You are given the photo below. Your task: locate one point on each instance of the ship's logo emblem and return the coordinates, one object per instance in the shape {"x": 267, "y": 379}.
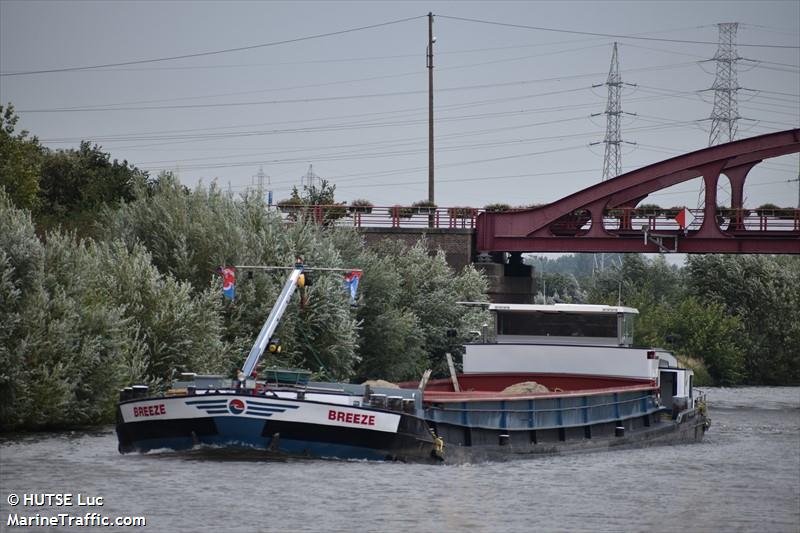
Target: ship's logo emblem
{"x": 236, "y": 406}
{"x": 215, "y": 405}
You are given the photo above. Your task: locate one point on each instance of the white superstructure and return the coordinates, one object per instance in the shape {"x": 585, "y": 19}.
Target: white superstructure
{"x": 576, "y": 340}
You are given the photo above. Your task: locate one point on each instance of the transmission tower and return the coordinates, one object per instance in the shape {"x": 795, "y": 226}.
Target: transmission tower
{"x": 612, "y": 162}
{"x": 263, "y": 188}
{"x": 309, "y": 179}
{"x": 725, "y": 115}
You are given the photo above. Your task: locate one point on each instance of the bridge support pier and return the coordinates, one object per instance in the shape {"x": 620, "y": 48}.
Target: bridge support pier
{"x": 509, "y": 282}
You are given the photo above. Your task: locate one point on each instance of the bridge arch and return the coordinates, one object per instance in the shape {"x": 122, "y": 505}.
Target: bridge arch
{"x": 578, "y": 222}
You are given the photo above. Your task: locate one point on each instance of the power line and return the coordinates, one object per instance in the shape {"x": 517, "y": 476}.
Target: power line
{"x": 334, "y": 98}
{"x": 214, "y": 52}
{"x": 609, "y": 35}
{"x": 347, "y": 155}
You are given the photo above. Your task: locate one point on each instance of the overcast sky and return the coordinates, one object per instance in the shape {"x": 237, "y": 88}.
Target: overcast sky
{"x": 513, "y": 105}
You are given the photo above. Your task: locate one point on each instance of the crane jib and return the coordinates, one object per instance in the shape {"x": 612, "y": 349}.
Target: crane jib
{"x": 272, "y": 321}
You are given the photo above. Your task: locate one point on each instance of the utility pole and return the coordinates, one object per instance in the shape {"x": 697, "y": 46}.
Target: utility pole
{"x": 725, "y": 114}
{"x": 431, "y": 40}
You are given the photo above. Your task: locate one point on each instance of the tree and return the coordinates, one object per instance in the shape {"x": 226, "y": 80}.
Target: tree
{"x": 191, "y": 233}
{"x": 322, "y": 197}
{"x": 762, "y": 291}
{"x": 694, "y": 329}
{"x": 75, "y": 184}
{"x": 410, "y": 303}
{"x": 20, "y": 162}
{"x": 98, "y": 317}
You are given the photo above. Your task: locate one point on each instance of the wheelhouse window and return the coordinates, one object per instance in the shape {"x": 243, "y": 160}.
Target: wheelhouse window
{"x": 543, "y": 324}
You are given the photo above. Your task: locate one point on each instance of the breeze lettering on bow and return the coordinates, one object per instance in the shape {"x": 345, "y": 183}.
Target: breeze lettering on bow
{"x": 150, "y": 410}
{"x": 351, "y": 418}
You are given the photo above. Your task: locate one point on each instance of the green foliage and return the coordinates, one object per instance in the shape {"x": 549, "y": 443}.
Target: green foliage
{"x": 409, "y": 304}
{"x": 657, "y": 279}
{"x": 20, "y": 162}
{"x": 563, "y": 287}
{"x": 402, "y": 212}
{"x": 497, "y": 208}
{"x": 360, "y": 206}
{"x": 696, "y": 330}
{"x": 699, "y": 327}
{"x": 764, "y": 293}
{"x": 322, "y": 196}
{"x": 460, "y": 212}
{"x": 424, "y": 206}
{"x": 644, "y": 209}
{"x": 190, "y": 234}
{"x": 96, "y": 318}
{"x": 75, "y": 184}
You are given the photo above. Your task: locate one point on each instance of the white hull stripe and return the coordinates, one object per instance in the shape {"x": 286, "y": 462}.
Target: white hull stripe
{"x": 235, "y": 406}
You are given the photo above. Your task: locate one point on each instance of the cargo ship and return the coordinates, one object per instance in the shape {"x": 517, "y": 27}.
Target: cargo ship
{"x": 541, "y": 379}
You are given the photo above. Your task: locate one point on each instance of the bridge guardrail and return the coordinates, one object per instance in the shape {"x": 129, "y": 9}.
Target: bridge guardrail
{"x": 618, "y": 220}
{"x": 395, "y": 216}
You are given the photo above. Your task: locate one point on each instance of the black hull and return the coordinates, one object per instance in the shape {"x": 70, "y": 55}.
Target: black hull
{"x": 412, "y": 442}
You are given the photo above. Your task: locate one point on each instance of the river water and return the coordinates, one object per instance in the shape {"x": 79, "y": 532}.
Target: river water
{"x": 745, "y": 476}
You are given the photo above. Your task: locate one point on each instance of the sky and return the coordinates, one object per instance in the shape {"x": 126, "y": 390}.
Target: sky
{"x": 279, "y": 87}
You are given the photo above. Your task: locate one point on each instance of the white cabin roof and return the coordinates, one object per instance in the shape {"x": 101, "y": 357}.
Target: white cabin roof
{"x": 564, "y": 308}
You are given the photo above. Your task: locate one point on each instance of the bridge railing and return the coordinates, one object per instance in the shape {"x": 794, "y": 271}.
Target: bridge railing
{"x": 733, "y": 220}
{"x": 395, "y": 216}
{"x": 618, "y": 220}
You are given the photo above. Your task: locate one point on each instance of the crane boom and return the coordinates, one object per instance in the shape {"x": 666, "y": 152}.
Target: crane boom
{"x": 272, "y": 321}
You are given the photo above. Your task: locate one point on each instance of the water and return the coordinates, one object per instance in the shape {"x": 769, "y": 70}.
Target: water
{"x": 745, "y": 476}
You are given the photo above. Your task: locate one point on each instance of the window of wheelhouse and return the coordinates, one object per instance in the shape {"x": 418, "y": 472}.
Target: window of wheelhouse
{"x": 542, "y": 324}
{"x": 625, "y": 327}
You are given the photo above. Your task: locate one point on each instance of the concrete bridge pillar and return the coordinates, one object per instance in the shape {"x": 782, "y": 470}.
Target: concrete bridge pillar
{"x": 510, "y": 281}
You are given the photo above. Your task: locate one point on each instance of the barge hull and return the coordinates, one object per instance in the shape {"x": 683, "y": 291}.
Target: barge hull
{"x": 410, "y": 440}
{"x": 491, "y": 445}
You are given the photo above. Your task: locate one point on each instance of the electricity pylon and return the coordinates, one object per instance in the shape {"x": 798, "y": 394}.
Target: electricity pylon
{"x": 612, "y": 162}
{"x": 725, "y": 114}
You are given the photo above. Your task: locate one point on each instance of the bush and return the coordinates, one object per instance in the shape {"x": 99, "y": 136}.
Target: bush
{"x": 290, "y": 205}
{"x": 424, "y": 207}
{"x": 461, "y": 212}
{"x": 497, "y": 208}
{"x": 767, "y": 210}
{"x": 360, "y": 206}
{"x": 399, "y": 211}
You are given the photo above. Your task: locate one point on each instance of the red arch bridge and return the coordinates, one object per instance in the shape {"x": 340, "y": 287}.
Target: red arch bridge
{"x": 605, "y": 217}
